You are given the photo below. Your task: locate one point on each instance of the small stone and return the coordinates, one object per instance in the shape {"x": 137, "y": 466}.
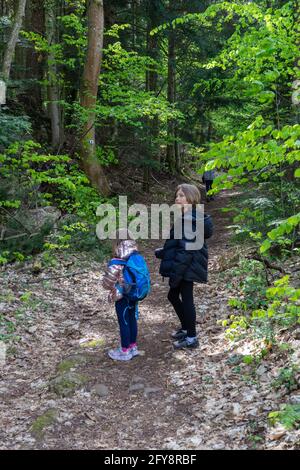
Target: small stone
{"x": 253, "y": 412}
{"x": 236, "y": 409}
{"x": 51, "y": 403}
{"x": 100, "y": 390}
{"x": 71, "y": 363}
{"x": 136, "y": 387}
{"x": 38, "y": 384}
{"x": 66, "y": 384}
{"x": 149, "y": 390}
{"x": 218, "y": 446}
{"x": 277, "y": 433}
{"x": 295, "y": 399}
{"x": 296, "y": 333}
{"x": 136, "y": 378}
{"x": 261, "y": 370}
{"x": 32, "y": 329}
{"x": 42, "y": 422}
{"x": 196, "y": 441}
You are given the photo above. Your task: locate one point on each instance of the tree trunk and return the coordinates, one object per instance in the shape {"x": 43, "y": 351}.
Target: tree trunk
{"x": 176, "y": 150}
{"x": 151, "y": 84}
{"x": 53, "y": 87}
{"x": 11, "y": 45}
{"x": 153, "y": 52}
{"x": 134, "y": 22}
{"x": 34, "y": 66}
{"x": 296, "y": 82}
{"x": 88, "y": 96}
{"x": 171, "y": 159}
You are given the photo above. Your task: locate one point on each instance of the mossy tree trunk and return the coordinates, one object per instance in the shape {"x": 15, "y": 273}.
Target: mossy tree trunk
{"x": 50, "y": 7}
{"x": 88, "y": 96}
{"x": 12, "y": 41}
{"x": 171, "y": 157}
{"x": 153, "y": 19}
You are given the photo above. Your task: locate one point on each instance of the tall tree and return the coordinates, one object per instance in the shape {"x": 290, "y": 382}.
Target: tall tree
{"x": 12, "y": 41}
{"x": 88, "y": 96}
{"x": 171, "y": 162}
{"x": 53, "y": 87}
{"x": 153, "y": 20}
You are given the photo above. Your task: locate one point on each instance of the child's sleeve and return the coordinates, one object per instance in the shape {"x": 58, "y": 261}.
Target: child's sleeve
{"x": 114, "y": 295}
{"x": 112, "y": 276}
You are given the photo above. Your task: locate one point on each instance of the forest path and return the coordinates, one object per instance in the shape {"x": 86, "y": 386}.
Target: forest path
{"x": 59, "y": 391}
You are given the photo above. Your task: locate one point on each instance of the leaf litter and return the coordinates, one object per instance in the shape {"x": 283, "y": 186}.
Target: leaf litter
{"x": 163, "y": 399}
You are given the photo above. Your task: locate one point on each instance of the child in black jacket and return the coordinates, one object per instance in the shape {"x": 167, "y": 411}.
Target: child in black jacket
{"x": 185, "y": 266}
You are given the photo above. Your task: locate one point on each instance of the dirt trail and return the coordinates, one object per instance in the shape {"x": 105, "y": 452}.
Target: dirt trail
{"x": 163, "y": 399}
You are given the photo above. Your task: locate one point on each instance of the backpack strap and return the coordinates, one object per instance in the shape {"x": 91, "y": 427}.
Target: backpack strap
{"x": 118, "y": 261}
{"x": 136, "y": 310}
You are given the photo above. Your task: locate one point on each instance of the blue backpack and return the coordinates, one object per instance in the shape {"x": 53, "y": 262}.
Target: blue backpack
{"x": 136, "y": 276}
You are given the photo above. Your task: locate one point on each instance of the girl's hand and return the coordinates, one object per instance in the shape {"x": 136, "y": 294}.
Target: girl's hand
{"x": 159, "y": 253}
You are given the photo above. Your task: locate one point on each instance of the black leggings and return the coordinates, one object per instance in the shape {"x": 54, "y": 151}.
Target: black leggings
{"x": 184, "y": 307}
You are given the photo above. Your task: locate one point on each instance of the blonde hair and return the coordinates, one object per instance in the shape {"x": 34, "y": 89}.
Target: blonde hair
{"x": 191, "y": 193}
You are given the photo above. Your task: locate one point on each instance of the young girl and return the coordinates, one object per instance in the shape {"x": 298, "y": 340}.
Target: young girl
{"x": 126, "y": 309}
{"x": 184, "y": 267}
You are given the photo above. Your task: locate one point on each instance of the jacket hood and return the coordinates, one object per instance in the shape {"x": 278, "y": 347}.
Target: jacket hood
{"x": 194, "y": 218}
{"x": 125, "y": 248}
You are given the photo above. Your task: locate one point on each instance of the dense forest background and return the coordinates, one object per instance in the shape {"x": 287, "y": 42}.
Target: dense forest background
{"x": 104, "y": 98}
{"x": 92, "y": 92}
{"x": 160, "y": 86}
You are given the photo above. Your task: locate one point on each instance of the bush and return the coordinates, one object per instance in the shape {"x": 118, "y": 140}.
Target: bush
{"x": 288, "y": 416}
{"x": 12, "y": 128}
{"x": 257, "y": 216}
{"x": 281, "y": 309}
{"x": 30, "y": 180}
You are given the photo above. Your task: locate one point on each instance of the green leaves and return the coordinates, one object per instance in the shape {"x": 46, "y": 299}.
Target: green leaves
{"x": 266, "y": 96}
{"x": 288, "y": 416}
{"x": 265, "y": 246}
{"x": 122, "y": 91}
{"x": 259, "y": 147}
{"x": 259, "y": 57}
{"x": 24, "y": 163}
{"x": 13, "y": 128}
{"x": 285, "y": 227}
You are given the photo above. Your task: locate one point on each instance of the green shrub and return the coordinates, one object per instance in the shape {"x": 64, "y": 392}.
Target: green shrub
{"x": 250, "y": 280}
{"x": 279, "y": 307}
{"x": 287, "y": 377}
{"x": 31, "y": 179}
{"x": 288, "y": 416}
{"x": 13, "y": 128}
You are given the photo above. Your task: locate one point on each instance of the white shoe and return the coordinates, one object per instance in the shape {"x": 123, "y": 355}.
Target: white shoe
{"x": 134, "y": 351}
{"x": 119, "y": 355}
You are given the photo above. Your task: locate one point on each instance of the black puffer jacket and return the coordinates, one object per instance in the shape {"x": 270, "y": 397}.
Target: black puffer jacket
{"x": 178, "y": 263}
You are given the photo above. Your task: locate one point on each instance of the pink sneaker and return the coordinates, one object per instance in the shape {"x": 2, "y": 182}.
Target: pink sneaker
{"x": 119, "y": 355}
